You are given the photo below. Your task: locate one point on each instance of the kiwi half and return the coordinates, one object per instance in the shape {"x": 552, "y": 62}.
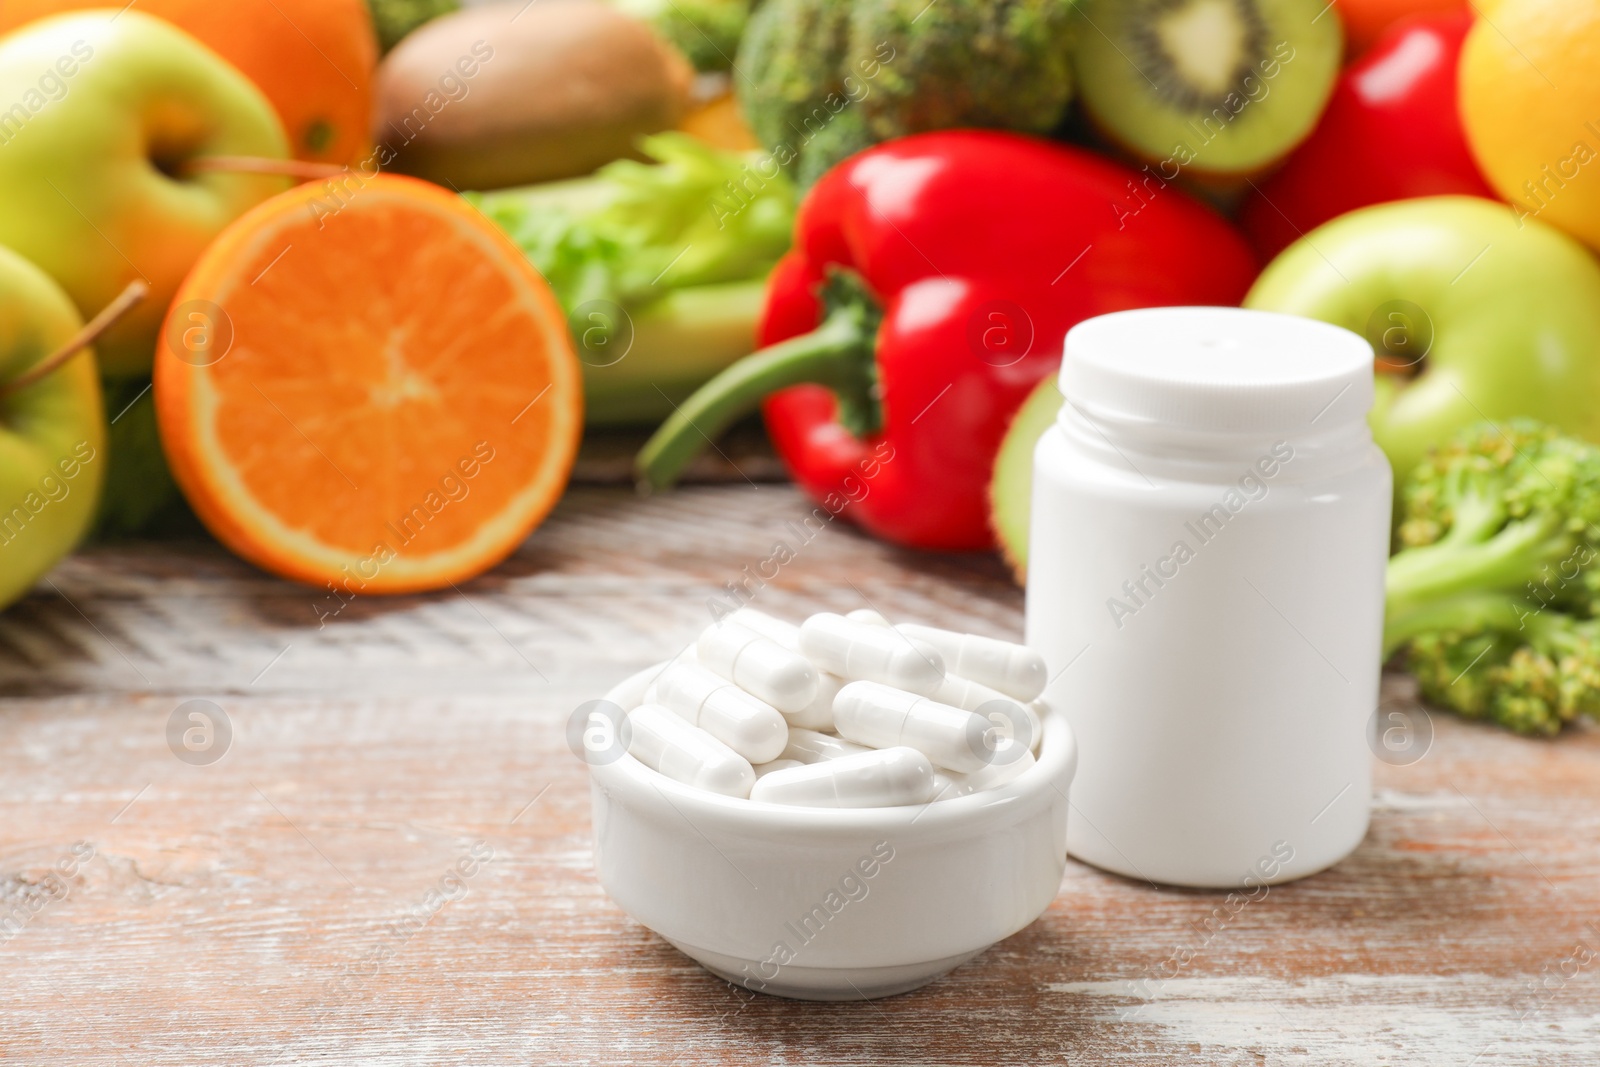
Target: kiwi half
{"x": 1011, "y": 488}
{"x": 1208, "y": 86}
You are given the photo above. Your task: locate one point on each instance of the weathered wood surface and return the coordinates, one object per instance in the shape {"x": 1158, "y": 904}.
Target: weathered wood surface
{"x": 275, "y": 907}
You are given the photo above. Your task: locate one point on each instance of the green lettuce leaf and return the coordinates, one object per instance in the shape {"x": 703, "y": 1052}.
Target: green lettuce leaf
{"x": 635, "y": 232}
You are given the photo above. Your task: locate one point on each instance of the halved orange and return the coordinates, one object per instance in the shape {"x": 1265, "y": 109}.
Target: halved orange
{"x": 365, "y": 383}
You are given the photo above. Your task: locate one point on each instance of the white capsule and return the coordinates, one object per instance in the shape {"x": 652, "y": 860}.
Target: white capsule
{"x": 776, "y": 765}
{"x": 1009, "y": 761}
{"x": 880, "y": 716}
{"x": 1015, "y": 718}
{"x": 664, "y": 742}
{"x": 963, "y": 693}
{"x": 758, "y": 665}
{"x": 818, "y": 715}
{"x": 948, "y": 786}
{"x": 685, "y": 655}
{"x": 750, "y": 726}
{"x": 772, "y": 628}
{"x": 888, "y": 778}
{"x": 860, "y": 651}
{"x": 868, "y": 616}
{"x": 808, "y": 746}
{"x": 1016, "y": 670}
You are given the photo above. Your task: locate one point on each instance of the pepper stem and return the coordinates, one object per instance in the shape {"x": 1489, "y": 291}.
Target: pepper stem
{"x": 841, "y": 353}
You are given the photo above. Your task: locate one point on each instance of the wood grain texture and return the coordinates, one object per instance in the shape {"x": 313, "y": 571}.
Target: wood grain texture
{"x": 289, "y": 903}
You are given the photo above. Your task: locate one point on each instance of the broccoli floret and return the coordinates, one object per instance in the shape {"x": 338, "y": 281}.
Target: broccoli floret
{"x": 1452, "y": 669}
{"x": 842, "y": 138}
{"x": 896, "y": 67}
{"x": 1505, "y": 508}
{"x": 1494, "y": 586}
{"x": 705, "y": 31}
{"x": 1534, "y": 679}
{"x": 393, "y": 19}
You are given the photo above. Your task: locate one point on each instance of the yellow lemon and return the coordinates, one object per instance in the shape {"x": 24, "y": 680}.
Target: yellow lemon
{"x": 1530, "y": 101}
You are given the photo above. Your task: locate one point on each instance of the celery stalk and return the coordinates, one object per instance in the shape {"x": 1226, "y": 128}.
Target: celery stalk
{"x": 680, "y": 342}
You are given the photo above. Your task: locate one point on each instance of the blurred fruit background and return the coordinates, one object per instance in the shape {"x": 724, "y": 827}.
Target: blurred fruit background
{"x": 375, "y": 267}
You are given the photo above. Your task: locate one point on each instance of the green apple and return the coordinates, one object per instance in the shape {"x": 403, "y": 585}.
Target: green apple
{"x": 1473, "y": 316}
{"x": 100, "y": 115}
{"x": 1011, "y": 486}
{"x": 52, "y": 432}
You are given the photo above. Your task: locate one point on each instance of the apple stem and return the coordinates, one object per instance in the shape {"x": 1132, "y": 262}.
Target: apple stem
{"x": 125, "y": 302}
{"x": 290, "y": 168}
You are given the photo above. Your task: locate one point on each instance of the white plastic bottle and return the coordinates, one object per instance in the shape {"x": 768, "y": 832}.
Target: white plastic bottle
{"x": 1206, "y": 560}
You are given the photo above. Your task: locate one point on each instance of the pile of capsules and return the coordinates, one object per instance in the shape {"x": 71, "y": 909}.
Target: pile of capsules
{"x": 843, "y": 711}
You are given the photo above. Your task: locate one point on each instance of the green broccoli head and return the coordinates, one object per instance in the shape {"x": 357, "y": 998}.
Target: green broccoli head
{"x": 1507, "y": 509}
{"x": 788, "y": 72}
{"x": 1570, "y": 649}
{"x": 1447, "y": 669}
{"x": 707, "y": 32}
{"x": 842, "y": 138}
{"x": 1526, "y": 693}
{"x": 887, "y": 68}
{"x": 393, "y": 19}
{"x": 1495, "y": 583}
{"x": 1533, "y": 681}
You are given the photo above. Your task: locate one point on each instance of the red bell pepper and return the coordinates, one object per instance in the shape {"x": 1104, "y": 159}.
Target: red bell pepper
{"x": 1365, "y": 20}
{"x": 945, "y": 269}
{"x": 1391, "y": 131}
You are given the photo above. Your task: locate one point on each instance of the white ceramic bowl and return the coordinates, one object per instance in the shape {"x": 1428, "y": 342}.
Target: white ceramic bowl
{"x": 830, "y": 904}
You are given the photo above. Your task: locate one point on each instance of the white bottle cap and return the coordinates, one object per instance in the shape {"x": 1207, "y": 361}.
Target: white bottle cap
{"x": 1222, "y": 369}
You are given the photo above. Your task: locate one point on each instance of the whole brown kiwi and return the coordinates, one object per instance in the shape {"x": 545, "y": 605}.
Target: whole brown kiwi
{"x": 511, "y": 93}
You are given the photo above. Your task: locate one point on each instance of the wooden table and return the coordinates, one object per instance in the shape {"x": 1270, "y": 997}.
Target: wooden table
{"x": 290, "y": 902}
